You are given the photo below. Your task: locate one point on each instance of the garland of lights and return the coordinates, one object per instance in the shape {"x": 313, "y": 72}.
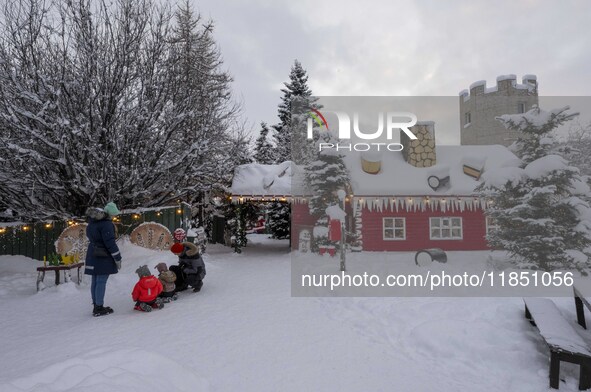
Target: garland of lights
{"x": 415, "y": 203}
{"x": 72, "y": 222}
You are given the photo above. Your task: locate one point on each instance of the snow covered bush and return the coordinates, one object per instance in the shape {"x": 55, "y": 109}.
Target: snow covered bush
{"x": 542, "y": 219}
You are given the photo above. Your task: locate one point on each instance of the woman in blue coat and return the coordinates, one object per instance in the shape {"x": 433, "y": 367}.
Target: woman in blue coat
{"x": 102, "y": 257}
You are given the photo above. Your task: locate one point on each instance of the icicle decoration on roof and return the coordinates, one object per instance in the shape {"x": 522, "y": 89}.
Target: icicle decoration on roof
{"x": 418, "y": 203}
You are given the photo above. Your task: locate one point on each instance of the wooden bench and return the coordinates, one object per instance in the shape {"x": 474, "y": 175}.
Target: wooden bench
{"x": 564, "y": 342}
{"x": 57, "y": 268}
{"x": 581, "y": 299}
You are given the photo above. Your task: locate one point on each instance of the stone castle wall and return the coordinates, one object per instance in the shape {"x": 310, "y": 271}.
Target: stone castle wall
{"x": 484, "y": 104}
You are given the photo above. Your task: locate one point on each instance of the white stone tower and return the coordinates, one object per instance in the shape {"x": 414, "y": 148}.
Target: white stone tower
{"x": 480, "y": 105}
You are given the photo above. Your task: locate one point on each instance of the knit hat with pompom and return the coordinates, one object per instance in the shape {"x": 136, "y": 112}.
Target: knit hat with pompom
{"x": 143, "y": 271}
{"x": 177, "y": 248}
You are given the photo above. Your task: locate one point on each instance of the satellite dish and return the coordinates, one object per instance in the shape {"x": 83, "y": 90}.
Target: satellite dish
{"x": 433, "y": 182}
{"x": 436, "y": 182}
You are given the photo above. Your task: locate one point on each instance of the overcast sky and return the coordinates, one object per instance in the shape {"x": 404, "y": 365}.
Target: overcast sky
{"x": 425, "y": 47}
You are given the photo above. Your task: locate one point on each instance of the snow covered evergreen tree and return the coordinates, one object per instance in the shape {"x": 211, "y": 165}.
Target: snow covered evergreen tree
{"x": 578, "y": 146}
{"x": 239, "y": 216}
{"x": 325, "y": 176}
{"x": 293, "y": 112}
{"x": 263, "y": 148}
{"x": 542, "y": 219}
{"x": 296, "y": 90}
{"x": 279, "y": 220}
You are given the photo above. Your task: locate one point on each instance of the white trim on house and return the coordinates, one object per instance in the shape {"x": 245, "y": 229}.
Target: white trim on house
{"x": 393, "y": 228}
{"x": 450, "y": 227}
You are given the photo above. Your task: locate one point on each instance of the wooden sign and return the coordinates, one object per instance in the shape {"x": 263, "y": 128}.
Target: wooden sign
{"x": 73, "y": 240}
{"x": 151, "y": 235}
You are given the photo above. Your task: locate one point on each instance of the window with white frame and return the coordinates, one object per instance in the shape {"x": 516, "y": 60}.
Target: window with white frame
{"x": 394, "y": 229}
{"x": 467, "y": 118}
{"x": 521, "y": 107}
{"x": 445, "y": 228}
{"x": 491, "y": 225}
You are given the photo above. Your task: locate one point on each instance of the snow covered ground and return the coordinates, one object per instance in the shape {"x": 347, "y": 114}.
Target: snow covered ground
{"x": 244, "y": 332}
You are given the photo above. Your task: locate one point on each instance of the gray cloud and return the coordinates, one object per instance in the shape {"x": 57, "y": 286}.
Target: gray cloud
{"x": 400, "y": 47}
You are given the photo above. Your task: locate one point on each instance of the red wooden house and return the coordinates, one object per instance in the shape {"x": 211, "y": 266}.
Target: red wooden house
{"x": 400, "y": 201}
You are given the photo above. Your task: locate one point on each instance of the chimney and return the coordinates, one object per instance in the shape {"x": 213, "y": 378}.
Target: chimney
{"x": 420, "y": 152}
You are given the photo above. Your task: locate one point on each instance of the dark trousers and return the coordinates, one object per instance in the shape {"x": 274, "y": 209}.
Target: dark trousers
{"x": 183, "y": 280}
{"x": 198, "y": 284}
{"x": 180, "y": 283}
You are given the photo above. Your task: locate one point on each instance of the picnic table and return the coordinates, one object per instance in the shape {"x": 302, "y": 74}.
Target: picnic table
{"x": 67, "y": 268}
{"x": 582, "y": 295}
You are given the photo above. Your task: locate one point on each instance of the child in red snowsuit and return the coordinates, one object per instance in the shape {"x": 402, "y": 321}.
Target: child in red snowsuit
{"x": 146, "y": 291}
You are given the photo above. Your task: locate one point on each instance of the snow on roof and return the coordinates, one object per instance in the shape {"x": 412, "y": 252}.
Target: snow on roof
{"x": 512, "y": 77}
{"x": 255, "y": 179}
{"x": 506, "y": 77}
{"x": 398, "y": 178}
{"x": 478, "y": 83}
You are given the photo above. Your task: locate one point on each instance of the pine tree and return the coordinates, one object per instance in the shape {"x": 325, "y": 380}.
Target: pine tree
{"x": 292, "y": 112}
{"x": 542, "y": 219}
{"x": 578, "y": 145}
{"x": 263, "y": 148}
{"x": 239, "y": 215}
{"x": 325, "y": 177}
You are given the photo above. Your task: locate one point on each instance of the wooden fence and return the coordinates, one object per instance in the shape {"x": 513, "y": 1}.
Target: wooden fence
{"x": 36, "y": 240}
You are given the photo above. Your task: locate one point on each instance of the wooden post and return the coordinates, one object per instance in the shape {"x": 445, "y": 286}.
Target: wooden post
{"x": 580, "y": 312}
{"x": 554, "y": 370}
{"x": 584, "y": 376}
